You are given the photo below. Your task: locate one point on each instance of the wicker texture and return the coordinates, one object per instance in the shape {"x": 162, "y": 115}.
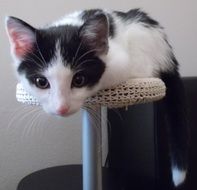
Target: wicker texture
{"x": 24, "y": 97}
{"x": 134, "y": 91}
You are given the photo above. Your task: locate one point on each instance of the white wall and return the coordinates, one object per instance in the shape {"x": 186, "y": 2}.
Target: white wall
{"x": 29, "y": 142}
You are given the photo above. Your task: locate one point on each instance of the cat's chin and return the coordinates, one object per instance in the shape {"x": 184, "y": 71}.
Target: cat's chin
{"x": 67, "y": 114}
{"x": 62, "y": 115}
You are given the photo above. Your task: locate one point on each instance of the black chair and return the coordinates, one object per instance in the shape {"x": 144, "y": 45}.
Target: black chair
{"x": 138, "y": 147}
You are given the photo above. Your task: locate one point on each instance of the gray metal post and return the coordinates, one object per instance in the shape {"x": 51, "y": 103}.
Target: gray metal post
{"x": 92, "y": 155}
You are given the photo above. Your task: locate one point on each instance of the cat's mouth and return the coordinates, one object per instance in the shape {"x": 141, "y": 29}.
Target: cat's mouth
{"x": 61, "y": 112}
{"x": 61, "y": 115}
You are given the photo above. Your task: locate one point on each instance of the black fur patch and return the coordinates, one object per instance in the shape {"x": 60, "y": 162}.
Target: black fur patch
{"x": 138, "y": 15}
{"x": 74, "y": 53}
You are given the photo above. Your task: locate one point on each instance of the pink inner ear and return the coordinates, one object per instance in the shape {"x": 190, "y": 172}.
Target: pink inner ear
{"x": 22, "y": 42}
{"x": 22, "y": 45}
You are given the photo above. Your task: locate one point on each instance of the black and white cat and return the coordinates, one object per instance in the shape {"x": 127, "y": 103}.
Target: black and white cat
{"x": 64, "y": 63}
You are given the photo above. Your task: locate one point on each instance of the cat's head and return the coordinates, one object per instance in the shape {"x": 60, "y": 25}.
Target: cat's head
{"x": 59, "y": 65}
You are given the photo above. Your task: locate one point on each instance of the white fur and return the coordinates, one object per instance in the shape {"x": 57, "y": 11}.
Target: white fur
{"x": 135, "y": 51}
{"x": 70, "y": 19}
{"x": 178, "y": 176}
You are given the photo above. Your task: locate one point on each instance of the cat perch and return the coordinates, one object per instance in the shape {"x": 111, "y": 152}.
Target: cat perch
{"x": 134, "y": 91}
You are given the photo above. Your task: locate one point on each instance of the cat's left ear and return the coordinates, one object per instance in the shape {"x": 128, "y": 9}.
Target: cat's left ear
{"x": 95, "y": 32}
{"x": 21, "y": 36}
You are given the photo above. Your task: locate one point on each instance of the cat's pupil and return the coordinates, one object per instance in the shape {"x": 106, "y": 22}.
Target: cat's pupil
{"x": 42, "y": 82}
{"x": 78, "y": 80}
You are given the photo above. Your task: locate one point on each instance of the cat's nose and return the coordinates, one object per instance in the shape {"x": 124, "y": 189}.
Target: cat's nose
{"x": 62, "y": 110}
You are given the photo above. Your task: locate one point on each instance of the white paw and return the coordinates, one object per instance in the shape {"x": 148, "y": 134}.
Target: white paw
{"x": 178, "y": 176}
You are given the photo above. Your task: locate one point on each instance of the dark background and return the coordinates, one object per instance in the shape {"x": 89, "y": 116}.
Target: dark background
{"x": 138, "y": 145}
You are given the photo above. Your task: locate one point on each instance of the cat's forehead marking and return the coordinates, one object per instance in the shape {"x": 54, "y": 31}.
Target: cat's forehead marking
{"x": 59, "y": 76}
{"x": 57, "y": 69}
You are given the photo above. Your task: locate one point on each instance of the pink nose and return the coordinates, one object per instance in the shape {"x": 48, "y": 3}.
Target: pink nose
{"x": 62, "y": 110}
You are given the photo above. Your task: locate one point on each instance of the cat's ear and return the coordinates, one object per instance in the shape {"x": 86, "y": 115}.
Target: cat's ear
{"x": 95, "y": 32}
{"x": 21, "y": 36}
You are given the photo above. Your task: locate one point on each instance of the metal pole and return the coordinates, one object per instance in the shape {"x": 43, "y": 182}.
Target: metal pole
{"x": 92, "y": 155}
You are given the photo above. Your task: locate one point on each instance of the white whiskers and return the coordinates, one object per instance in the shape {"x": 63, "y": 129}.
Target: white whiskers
{"x": 26, "y": 118}
{"x": 83, "y": 55}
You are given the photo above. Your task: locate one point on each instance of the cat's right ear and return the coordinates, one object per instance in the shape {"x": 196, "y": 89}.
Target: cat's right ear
{"x": 95, "y": 32}
{"x": 21, "y": 36}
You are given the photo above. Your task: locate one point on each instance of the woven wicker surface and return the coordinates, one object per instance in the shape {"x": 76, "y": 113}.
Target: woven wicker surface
{"x": 134, "y": 91}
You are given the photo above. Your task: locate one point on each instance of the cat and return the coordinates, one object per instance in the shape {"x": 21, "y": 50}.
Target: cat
{"x": 71, "y": 59}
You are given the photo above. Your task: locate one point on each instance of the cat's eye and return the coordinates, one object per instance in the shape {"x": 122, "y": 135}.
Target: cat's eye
{"x": 78, "y": 80}
{"x": 41, "y": 82}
